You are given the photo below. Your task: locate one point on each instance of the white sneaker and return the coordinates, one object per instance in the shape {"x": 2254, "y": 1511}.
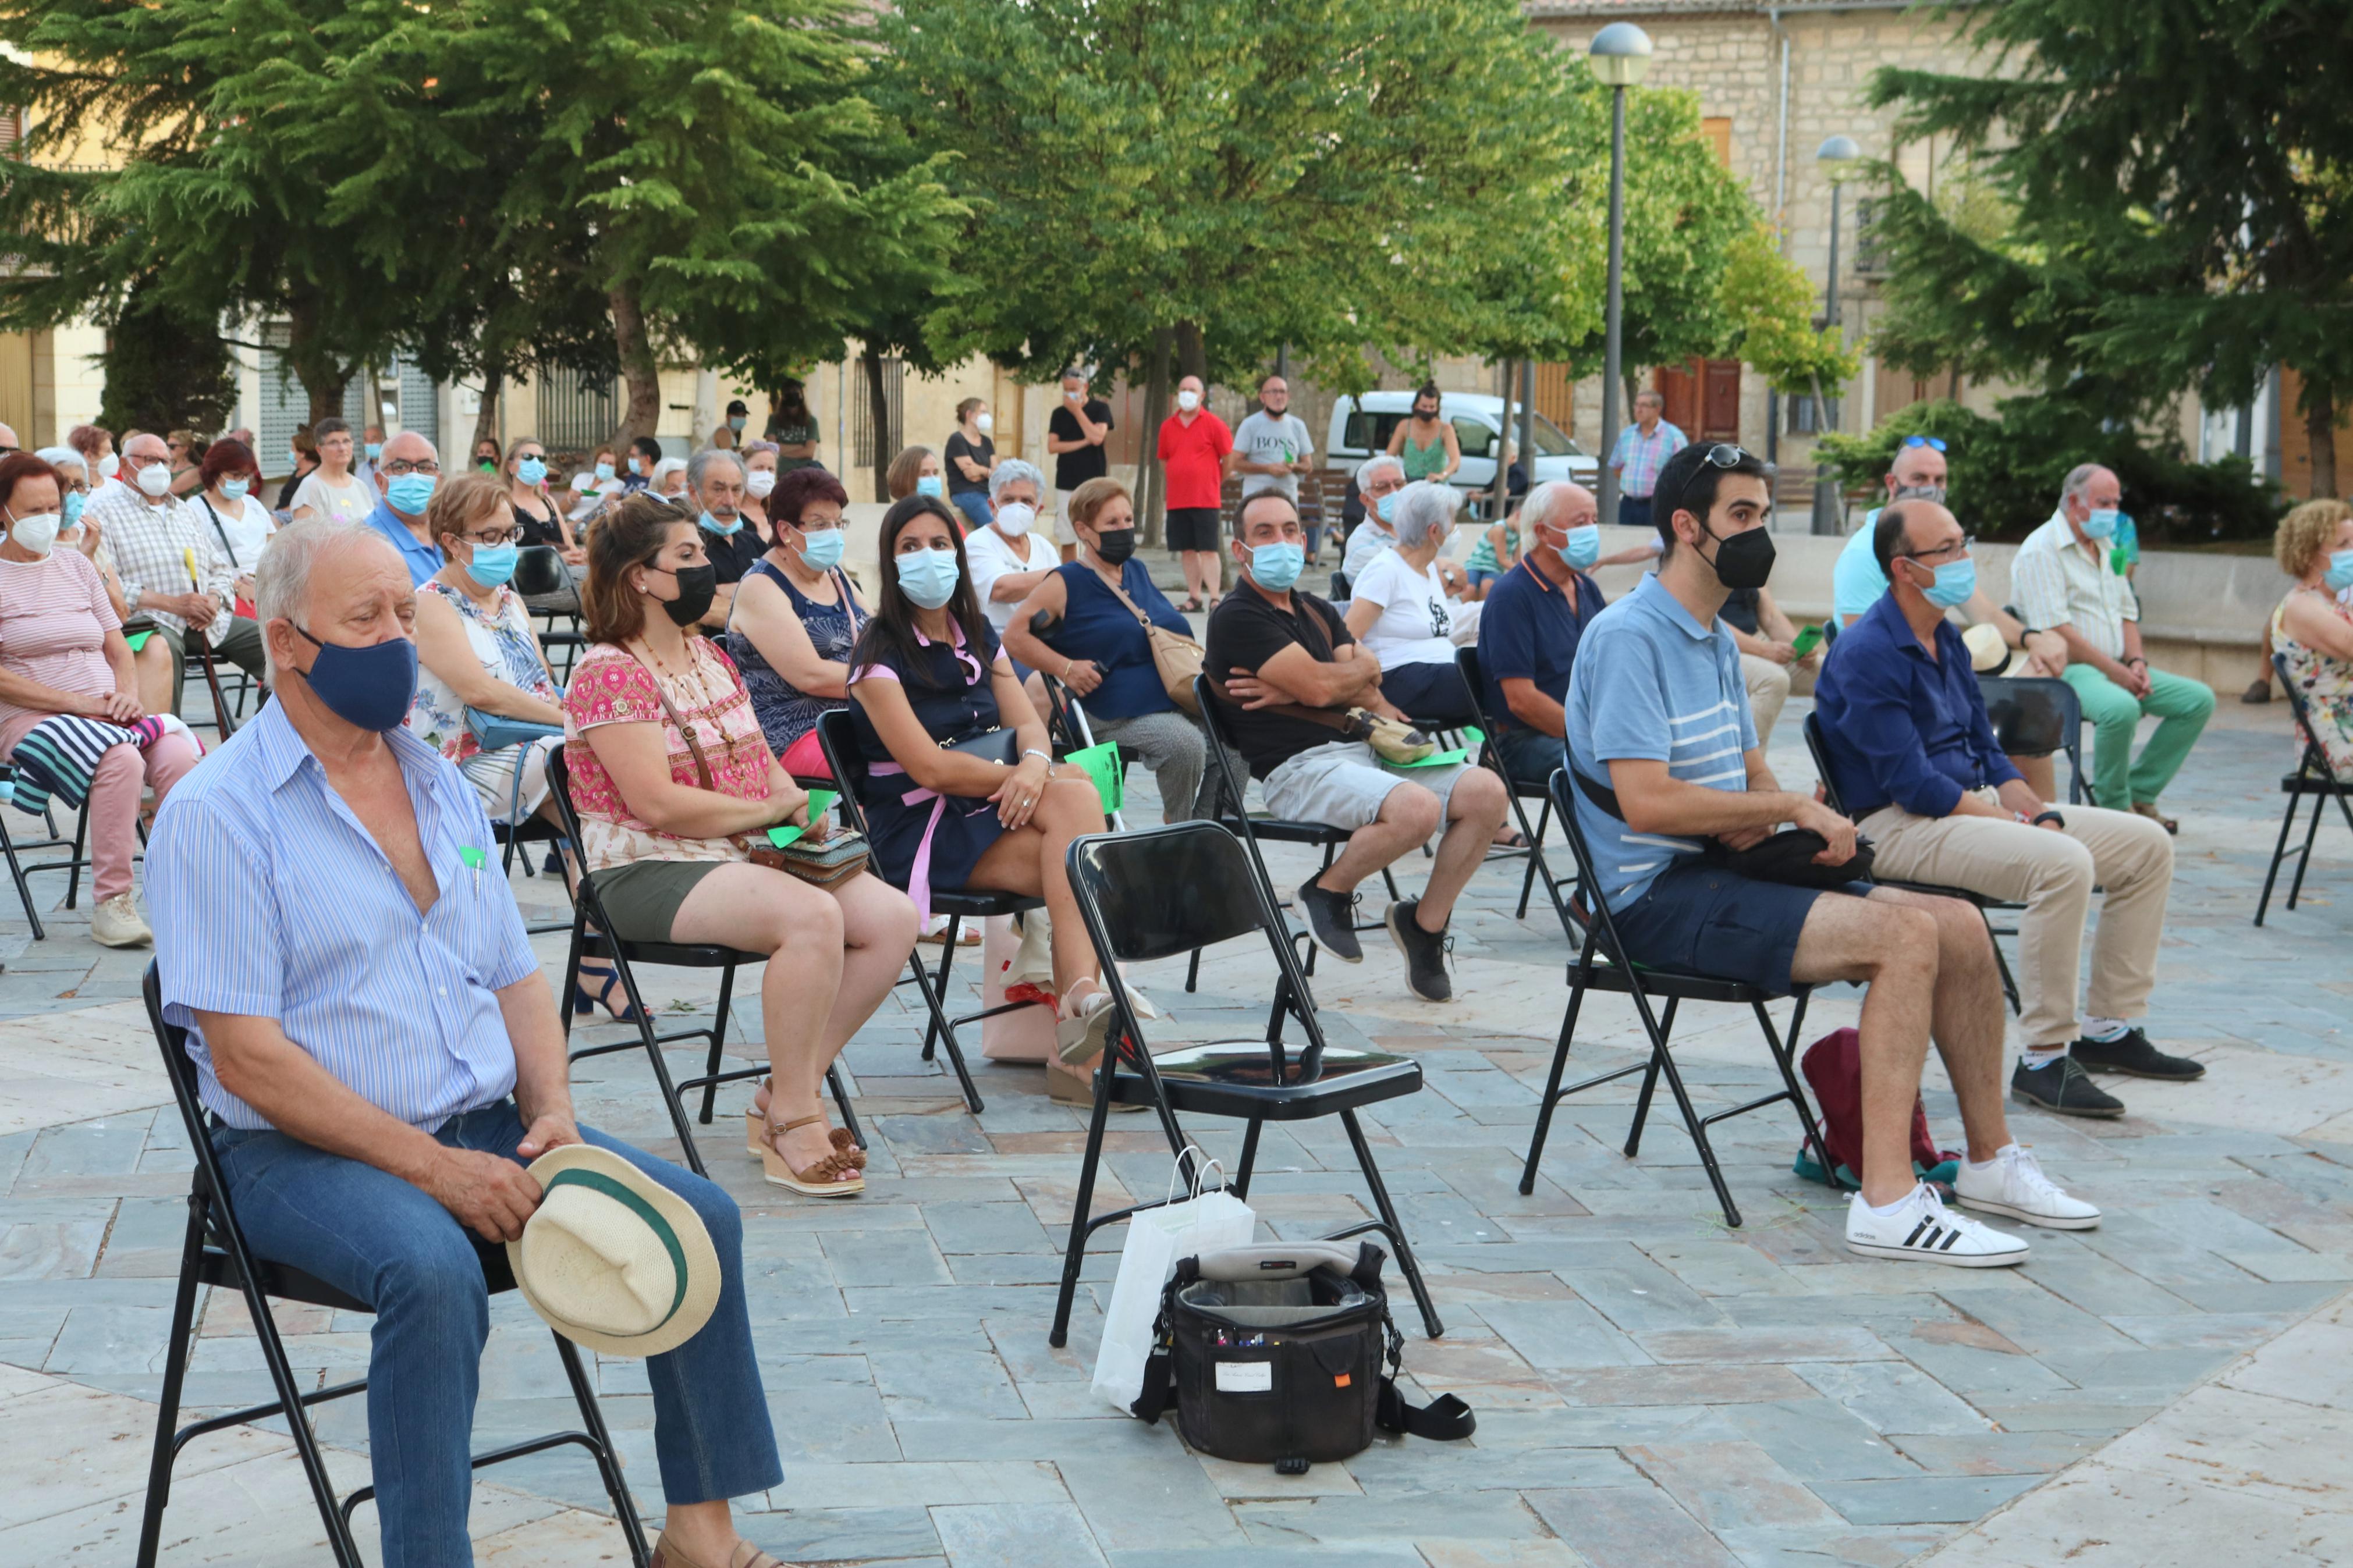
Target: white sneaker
{"x": 117, "y": 923}
{"x": 2013, "y": 1183}
{"x": 1922, "y": 1230}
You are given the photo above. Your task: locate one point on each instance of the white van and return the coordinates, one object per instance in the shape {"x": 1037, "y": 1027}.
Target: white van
{"x": 1361, "y": 426}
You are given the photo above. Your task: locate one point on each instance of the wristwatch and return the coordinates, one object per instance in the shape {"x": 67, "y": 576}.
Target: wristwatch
{"x": 2042, "y": 817}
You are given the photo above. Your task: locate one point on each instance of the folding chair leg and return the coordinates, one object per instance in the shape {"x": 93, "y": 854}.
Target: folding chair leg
{"x": 948, "y": 960}
{"x": 1651, "y": 1077}
{"x": 1535, "y": 851}
{"x": 1390, "y": 1224}
{"x": 940, "y": 1028}
{"x": 1193, "y": 973}
{"x": 672, "y": 1102}
{"x": 841, "y": 1103}
{"x": 2002, "y": 963}
{"x": 25, "y": 890}
{"x": 1552, "y": 1087}
{"x": 2295, "y": 889}
{"x": 1075, "y": 1253}
{"x": 176, "y": 1368}
{"x": 1782, "y": 1053}
{"x": 81, "y": 837}
{"x": 718, "y": 1033}
{"x": 1248, "y": 1160}
{"x": 298, "y": 1423}
{"x": 600, "y": 1444}
{"x": 2271, "y": 875}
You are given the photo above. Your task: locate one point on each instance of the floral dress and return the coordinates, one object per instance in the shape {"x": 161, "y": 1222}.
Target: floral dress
{"x": 500, "y": 636}
{"x": 611, "y": 686}
{"x": 2327, "y": 684}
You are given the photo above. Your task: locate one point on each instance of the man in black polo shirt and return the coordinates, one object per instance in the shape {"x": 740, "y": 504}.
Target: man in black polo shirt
{"x": 1280, "y": 651}
{"x": 714, "y": 487}
{"x": 1075, "y": 436}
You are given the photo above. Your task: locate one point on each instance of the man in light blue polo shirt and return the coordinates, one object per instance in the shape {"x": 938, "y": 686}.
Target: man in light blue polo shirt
{"x": 405, "y": 477}
{"x": 1660, "y": 736}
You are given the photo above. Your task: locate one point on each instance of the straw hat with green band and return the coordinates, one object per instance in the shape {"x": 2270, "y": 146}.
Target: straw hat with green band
{"x": 613, "y": 1259}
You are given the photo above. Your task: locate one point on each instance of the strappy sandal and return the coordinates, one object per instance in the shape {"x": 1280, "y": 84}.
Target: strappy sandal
{"x": 599, "y": 1001}
{"x": 745, "y": 1555}
{"x": 831, "y": 1177}
{"x": 756, "y": 1120}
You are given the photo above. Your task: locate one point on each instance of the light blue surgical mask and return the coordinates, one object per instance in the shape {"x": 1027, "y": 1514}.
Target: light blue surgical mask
{"x": 409, "y": 492}
{"x": 931, "y": 485}
{"x": 1275, "y": 567}
{"x": 1955, "y": 580}
{"x": 928, "y": 576}
{"x": 821, "y": 549}
{"x": 493, "y": 564}
{"x": 235, "y": 489}
{"x": 75, "y": 500}
{"x": 531, "y": 471}
{"x": 374, "y": 450}
{"x": 2101, "y": 523}
{"x": 1583, "y": 546}
{"x": 1385, "y": 508}
{"x": 2339, "y": 575}
{"x": 604, "y": 471}
{"x": 723, "y": 530}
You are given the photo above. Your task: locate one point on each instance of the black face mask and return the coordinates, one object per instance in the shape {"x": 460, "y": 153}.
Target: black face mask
{"x": 1745, "y": 560}
{"x": 697, "y": 587}
{"x": 1114, "y": 545}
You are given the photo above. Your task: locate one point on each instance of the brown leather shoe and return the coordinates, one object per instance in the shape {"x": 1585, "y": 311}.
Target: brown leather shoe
{"x": 745, "y": 1555}
{"x": 2148, "y": 809}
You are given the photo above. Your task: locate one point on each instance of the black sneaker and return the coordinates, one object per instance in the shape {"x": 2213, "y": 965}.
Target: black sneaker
{"x": 1425, "y": 953}
{"x": 1331, "y": 921}
{"x": 2064, "y": 1088}
{"x": 2131, "y": 1053}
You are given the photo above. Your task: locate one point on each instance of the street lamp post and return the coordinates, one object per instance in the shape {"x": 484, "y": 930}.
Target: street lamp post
{"x": 1620, "y": 58}
{"x": 1835, "y": 155}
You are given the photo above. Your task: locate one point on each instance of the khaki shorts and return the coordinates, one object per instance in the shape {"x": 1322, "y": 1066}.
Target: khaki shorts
{"x": 1343, "y": 784}
{"x": 1063, "y": 533}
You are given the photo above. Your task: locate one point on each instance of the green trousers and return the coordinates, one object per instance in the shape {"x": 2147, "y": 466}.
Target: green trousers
{"x": 2118, "y": 781}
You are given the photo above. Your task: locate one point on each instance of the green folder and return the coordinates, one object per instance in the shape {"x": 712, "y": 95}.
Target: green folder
{"x": 820, "y": 801}
{"x": 1447, "y": 758}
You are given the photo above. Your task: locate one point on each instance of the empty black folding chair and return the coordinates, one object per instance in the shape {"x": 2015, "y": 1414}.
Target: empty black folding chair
{"x": 214, "y": 1252}
{"x": 1985, "y": 904}
{"x": 591, "y": 938}
{"x": 836, "y": 735}
{"x": 2035, "y": 715}
{"x": 1601, "y": 965}
{"x": 540, "y": 571}
{"x": 1467, "y": 661}
{"x": 1234, "y": 814}
{"x": 1157, "y": 892}
{"x": 2313, "y": 778}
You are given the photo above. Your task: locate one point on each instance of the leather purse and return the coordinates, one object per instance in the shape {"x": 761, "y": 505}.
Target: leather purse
{"x": 1786, "y": 857}
{"x": 1178, "y": 659}
{"x": 1001, "y": 746}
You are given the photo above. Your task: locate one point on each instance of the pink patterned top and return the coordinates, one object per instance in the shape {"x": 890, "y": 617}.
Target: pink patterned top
{"x": 610, "y": 685}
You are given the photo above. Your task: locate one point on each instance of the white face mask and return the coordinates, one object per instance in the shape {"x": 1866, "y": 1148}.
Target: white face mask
{"x": 154, "y": 479}
{"x": 1013, "y": 517}
{"x": 985, "y": 423}
{"x": 36, "y": 534}
{"x": 109, "y": 466}
{"x": 1188, "y": 400}
{"x": 760, "y": 481}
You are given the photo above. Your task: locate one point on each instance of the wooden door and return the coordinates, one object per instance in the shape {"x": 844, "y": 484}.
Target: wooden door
{"x": 1679, "y": 385}
{"x": 1719, "y": 401}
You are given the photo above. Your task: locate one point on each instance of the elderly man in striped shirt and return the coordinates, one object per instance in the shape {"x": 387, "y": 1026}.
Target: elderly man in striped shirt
{"x": 378, "y": 1053}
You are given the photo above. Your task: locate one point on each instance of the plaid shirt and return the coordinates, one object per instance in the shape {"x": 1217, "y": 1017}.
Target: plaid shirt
{"x": 150, "y": 545}
{"x": 1638, "y": 457}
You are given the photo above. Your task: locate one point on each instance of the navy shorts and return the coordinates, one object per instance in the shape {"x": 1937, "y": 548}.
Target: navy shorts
{"x": 1707, "y": 920}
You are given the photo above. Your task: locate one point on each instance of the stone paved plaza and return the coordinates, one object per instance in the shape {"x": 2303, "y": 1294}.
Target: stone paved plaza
{"x": 1651, "y": 1388}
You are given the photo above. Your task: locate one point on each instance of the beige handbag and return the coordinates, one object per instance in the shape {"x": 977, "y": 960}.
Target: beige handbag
{"x": 1178, "y": 659}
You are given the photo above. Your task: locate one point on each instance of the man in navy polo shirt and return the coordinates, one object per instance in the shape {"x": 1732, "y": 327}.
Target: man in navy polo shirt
{"x": 1914, "y": 760}
{"x": 1529, "y": 631}
{"x": 1658, "y": 713}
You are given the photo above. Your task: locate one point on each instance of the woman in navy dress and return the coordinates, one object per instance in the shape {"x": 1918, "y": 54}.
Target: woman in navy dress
{"x": 927, "y": 673}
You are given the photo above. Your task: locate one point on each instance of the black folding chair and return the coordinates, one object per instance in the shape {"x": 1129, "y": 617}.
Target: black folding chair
{"x": 1232, "y": 812}
{"x": 1467, "y": 661}
{"x": 591, "y": 938}
{"x": 18, "y": 871}
{"x": 1601, "y": 965}
{"x": 1151, "y": 894}
{"x": 838, "y": 739}
{"x": 1985, "y": 904}
{"x": 2313, "y": 778}
{"x": 2035, "y": 715}
{"x": 214, "y": 1253}
{"x": 539, "y": 571}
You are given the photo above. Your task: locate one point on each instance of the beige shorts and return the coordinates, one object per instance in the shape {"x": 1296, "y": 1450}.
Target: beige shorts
{"x": 1063, "y": 533}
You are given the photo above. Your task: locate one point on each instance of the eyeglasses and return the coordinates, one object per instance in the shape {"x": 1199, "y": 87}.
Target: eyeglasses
{"x": 400, "y": 466}
{"x": 495, "y": 537}
{"x": 1933, "y": 442}
{"x": 1959, "y": 547}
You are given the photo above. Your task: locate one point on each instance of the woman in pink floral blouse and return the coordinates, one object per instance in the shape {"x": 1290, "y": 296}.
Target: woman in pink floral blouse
{"x": 672, "y": 777}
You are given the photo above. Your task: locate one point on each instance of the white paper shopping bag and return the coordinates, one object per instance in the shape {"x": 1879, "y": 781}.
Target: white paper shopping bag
{"x": 1206, "y": 1222}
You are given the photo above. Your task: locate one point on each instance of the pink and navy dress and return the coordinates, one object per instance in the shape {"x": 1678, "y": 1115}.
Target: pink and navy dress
{"x": 920, "y": 840}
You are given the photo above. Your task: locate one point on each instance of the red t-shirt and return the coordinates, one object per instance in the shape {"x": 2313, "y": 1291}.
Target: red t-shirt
{"x": 1194, "y": 456}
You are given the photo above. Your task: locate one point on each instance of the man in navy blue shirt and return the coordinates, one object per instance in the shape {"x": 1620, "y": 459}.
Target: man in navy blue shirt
{"x": 1528, "y": 632}
{"x": 1914, "y": 762}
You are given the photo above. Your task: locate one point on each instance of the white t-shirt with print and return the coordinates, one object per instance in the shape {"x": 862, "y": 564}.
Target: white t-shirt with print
{"x": 1415, "y": 614}
{"x": 335, "y": 504}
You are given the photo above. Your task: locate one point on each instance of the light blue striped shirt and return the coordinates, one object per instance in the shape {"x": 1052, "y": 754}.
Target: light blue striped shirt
{"x": 271, "y": 900}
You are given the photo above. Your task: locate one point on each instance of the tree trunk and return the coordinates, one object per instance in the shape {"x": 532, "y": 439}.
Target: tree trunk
{"x": 878, "y": 418}
{"x": 1149, "y": 491}
{"x": 1631, "y": 392}
{"x": 1192, "y": 353}
{"x": 321, "y": 372}
{"x": 2320, "y": 435}
{"x": 637, "y": 367}
{"x": 486, "y": 423}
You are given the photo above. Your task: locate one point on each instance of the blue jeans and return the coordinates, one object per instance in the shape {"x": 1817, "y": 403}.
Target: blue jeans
{"x": 1530, "y": 756}
{"x": 975, "y": 506}
{"x": 370, "y": 1233}
{"x": 1633, "y": 511}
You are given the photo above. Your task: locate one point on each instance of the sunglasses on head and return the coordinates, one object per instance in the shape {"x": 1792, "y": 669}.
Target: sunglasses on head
{"x": 1931, "y": 442}
{"x": 1725, "y": 454}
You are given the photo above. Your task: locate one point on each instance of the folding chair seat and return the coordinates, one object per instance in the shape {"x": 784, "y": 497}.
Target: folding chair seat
{"x": 590, "y": 928}
{"x": 1467, "y": 661}
{"x": 1601, "y": 965}
{"x": 214, "y": 1253}
{"x": 2313, "y": 778}
{"x": 1984, "y": 904}
{"x": 1234, "y": 815}
{"x": 2034, "y": 715}
{"x": 840, "y": 743}
{"x": 1157, "y": 892}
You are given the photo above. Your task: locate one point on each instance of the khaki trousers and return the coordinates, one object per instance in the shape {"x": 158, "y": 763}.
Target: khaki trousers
{"x": 2052, "y": 875}
{"x": 1768, "y": 688}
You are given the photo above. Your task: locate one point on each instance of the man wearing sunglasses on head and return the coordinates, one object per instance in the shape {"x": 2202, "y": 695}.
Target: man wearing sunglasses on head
{"x": 1663, "y": 755}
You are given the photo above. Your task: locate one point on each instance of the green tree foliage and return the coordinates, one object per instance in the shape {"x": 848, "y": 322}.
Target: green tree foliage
{"x": 1767, "y": 303}
{"x": 2179, "y": 172}
{"x": 164, "y": 372}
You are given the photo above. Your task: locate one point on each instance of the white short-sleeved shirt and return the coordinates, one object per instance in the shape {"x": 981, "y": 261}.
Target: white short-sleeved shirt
{"x": 344, "y": 503}
{"x": 992, "y": 556}
{"x": 2055, "y": 581}
{"x": 242, "y": 532}
{"x": 1415, "y": 617}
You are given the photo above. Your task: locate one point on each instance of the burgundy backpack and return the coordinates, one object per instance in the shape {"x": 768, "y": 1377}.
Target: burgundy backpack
{"x": 1833, "y": 1066}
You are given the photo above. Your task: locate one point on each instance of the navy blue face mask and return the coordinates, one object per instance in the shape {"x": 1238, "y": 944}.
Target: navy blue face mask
{"x": 371, "y": 686}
